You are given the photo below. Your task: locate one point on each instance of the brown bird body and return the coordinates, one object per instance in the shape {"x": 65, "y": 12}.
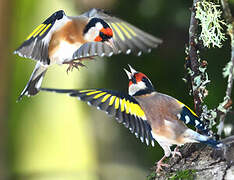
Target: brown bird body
{"x": 148, "y": 114}
{"x": 65, "y": 41}
{"x": 161, "y": 113}
{"x": 62, "y": 39}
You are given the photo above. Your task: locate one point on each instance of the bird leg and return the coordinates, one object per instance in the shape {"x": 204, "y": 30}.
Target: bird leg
{"x": 160, "y": 164}
{"x": 72, "y": 64}
{"x": 176, "y": 152}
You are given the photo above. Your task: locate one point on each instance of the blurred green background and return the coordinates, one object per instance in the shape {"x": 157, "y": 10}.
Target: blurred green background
{"x": 52, "y": 136}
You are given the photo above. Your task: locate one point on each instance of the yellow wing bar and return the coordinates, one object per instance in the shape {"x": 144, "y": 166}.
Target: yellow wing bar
{"x": 125, "y": 104}
{"x": 182, "y": 104}
{"x": 39, "y": 30}
{"x": 123, "y": 107}
{"x": 122, "y": 29}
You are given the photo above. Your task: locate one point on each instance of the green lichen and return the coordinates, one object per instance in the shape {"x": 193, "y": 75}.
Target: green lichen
{"x": 209, "y": 16}
{"x": 188, "y": 174}
{"x": 209, "y": 114}
{"x": 227, "y": 69}
{"x": 222, "y": 105}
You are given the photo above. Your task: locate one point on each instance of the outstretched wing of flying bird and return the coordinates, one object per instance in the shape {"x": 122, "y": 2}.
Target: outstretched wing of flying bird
{"x": 123, "y": 107}
{"x": 126, "y": 38}
{"x": 36, "y": 44}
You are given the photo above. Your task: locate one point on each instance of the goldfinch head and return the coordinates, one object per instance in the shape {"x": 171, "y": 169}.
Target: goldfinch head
{"x": 139, "y": 83}
{"x": 98, "y": 30}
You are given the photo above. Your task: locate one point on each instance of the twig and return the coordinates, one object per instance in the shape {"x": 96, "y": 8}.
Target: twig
{"x": 193, "y": 53}
{"x": 227, "y": 11}
{"x": 227, "y": 99}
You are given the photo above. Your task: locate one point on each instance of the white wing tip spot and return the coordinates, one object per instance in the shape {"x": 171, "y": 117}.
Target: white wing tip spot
{"x": 128, "y": 51}
{"x": 142, "y": 139}
{"x": 103, "y": 54}
{"x": 149, "y": 50}
{"x": 139, "y": 53}
{"x": 110, "y": 54}
{"x": 147, "y": 141}
{"x": 187, "y": 119}
{"x": 196, "y": 122}
{"x": 178, "y": 116}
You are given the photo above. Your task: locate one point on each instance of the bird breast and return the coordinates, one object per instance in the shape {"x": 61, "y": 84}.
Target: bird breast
{"x": 160, "y": 111}
{"x": 65, "y": 41}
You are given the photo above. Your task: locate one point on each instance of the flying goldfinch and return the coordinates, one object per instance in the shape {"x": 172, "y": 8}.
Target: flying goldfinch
{"x": 62, "y": 39}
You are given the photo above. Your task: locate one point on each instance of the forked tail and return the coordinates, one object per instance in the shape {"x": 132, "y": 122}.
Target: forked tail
{"x": 34, "y": 83}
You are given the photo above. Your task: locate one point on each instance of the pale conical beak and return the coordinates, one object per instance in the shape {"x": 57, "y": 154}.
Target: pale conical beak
{"x": 133, "y": 71}
{"x": 128, "y": 73}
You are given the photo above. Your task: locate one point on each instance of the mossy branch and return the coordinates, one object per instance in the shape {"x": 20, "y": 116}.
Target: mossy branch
{"x": 193, "y": 61}
{"x": 225, "y": 106}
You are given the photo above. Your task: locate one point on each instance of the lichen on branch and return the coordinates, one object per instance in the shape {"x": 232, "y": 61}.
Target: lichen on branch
{"x": 211, "y": 22}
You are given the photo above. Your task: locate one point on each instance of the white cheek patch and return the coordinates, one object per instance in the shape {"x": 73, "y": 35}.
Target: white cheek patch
{"x": 91, "y": 34}
{"x": 99, "y": 26}
{"x": 134, "y": 88}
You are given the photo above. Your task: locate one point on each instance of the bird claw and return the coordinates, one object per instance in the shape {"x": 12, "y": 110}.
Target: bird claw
{"x": 73, "y": 65}
{"x": 176, "y": 152}
{"x": 159, "y": 166}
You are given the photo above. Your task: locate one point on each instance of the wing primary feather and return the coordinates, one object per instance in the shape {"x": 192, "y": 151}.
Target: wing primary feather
{"x": 93, "y": 49}
{"x": 148, "y": 132}
{"x": 115, "y": 104}
{"x": 111, "y": 110}
{"x": 132, "y": 123}
{"x": 142, "y": 128}
{"x": 86, "y": 50}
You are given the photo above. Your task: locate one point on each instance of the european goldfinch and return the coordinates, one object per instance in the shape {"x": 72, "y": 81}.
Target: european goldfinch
{"x": 62, "y": 39}
{"x": 151, "y": 115}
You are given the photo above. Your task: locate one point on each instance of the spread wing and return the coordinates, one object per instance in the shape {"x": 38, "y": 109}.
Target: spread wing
{"x": 189, "y": 117}
{"x": 127, "y": 38}
{"x": 36, "y": 44}
{"x": 91, "y": 49}
{"x": 123, "y": 107}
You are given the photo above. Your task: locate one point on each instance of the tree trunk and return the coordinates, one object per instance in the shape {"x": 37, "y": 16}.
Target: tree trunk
{"x": 201, "y": 162}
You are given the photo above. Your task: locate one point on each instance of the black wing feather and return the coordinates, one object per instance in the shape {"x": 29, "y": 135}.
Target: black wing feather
{"x": 125, "y": 108}
{"x": 33, "y": 47}
{"x": 127, "y": 38}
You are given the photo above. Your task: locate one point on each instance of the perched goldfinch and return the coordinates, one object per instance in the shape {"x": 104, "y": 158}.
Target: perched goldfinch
{"x": 62, "y": 39}
{"x": 151, "y": 115}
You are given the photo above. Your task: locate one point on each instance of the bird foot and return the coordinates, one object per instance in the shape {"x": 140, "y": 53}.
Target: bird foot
{"x": 73, "y": 65}
{"x": 159, "y": 166}
{"x": 176, "y": 152}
